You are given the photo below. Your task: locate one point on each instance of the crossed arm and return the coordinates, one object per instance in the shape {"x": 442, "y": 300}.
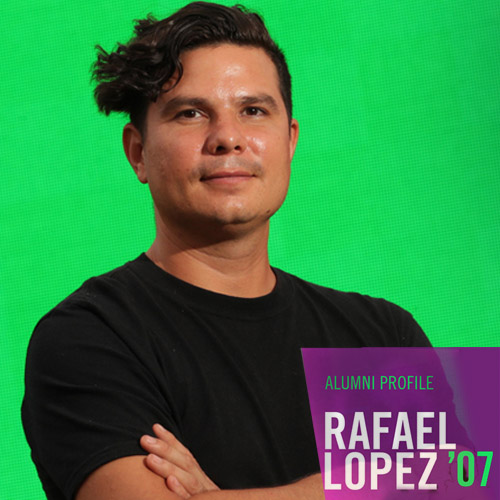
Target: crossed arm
{"x": 170, "y": 472}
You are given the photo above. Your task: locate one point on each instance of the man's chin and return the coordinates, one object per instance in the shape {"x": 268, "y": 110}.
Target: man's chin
{"x": 231, "y": 226}
{"x": 221, "y": 223}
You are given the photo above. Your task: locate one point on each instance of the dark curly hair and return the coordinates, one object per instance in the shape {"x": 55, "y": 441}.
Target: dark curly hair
{"x": 133, "y": 75}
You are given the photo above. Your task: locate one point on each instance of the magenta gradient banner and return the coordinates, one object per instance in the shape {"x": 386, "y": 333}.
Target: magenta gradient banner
{"x": 406, "y": 423}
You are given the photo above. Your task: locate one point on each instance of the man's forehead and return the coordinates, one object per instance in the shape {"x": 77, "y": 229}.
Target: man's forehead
{"x": 243, "y": 66}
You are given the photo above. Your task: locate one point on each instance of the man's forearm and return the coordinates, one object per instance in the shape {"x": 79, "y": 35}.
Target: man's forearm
{"x": 172, "y": 461}
{"x": 309, "y": 488}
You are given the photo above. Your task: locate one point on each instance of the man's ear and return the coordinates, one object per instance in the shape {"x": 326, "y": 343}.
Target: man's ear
{"x": 294, "y": 136}
{"x": 134, "y": 150}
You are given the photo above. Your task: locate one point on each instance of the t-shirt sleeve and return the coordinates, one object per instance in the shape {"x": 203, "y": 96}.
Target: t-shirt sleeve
{"x": 89, "y": 397}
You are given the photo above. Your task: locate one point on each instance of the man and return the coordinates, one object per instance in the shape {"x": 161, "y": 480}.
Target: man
{"x": 199, "y": 334}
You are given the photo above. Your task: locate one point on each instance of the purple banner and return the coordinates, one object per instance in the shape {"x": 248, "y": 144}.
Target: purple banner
{"x": 406, "y": 423}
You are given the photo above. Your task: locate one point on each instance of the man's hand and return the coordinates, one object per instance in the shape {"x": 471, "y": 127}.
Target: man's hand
{"x": 171, "y": 460}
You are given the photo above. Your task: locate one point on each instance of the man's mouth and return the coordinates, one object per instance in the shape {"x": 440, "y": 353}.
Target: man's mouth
{"x": 229, "y": 176}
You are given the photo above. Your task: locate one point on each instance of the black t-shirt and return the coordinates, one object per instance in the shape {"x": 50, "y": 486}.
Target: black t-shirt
{"x": 138, "y": 346}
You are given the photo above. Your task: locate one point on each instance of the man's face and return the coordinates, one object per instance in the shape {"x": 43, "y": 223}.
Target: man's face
{"x": 219, "y": 144}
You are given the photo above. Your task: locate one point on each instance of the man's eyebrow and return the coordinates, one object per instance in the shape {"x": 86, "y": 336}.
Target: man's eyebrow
{"x": 179, "y": 102}
{"x": 265, "y": 99}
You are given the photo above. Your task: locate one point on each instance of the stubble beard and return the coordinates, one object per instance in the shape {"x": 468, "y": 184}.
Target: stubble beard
{"x": 232, "y": 218}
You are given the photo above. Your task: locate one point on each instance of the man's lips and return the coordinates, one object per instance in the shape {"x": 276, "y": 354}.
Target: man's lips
{"x": 228, "y": 176}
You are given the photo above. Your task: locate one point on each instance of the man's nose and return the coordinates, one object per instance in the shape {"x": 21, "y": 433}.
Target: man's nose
{"x": 226, "y": 136}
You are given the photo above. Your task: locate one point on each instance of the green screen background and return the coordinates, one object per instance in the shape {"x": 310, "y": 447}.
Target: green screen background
{"x": 395, "y": 184}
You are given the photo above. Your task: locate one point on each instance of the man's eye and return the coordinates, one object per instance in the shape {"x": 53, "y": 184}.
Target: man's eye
{"x": 188, "y": 113}
{"x": 254, "y": 111}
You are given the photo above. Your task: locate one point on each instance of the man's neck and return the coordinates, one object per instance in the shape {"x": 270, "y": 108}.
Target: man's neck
{"x": 234, "y": 266}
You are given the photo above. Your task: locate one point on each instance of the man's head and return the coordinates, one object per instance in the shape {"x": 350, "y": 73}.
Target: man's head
{"x": 133, "y": 76}
{"x": 211, "y": 131}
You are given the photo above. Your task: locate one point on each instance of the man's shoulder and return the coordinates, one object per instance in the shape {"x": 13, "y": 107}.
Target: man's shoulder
{"x": 98, "y": 304}
{"x": 372, "y": 320}
{"x": 122, "y": 280}
{"x": 343, "y": 299}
